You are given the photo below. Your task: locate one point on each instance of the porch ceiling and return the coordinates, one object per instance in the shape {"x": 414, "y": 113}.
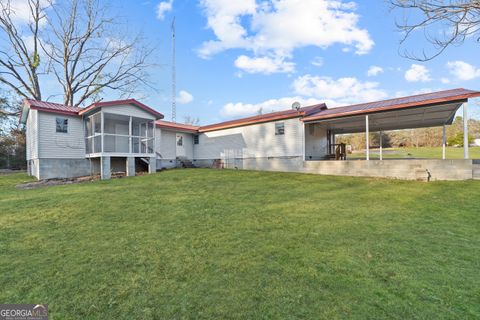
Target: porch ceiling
{"x": 420, "y": 117}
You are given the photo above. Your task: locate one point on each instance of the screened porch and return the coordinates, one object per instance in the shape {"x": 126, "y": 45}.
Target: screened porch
{"x": 109, "y": 134}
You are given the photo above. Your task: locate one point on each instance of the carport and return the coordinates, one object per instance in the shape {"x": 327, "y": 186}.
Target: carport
{"x": 419, "y": 111}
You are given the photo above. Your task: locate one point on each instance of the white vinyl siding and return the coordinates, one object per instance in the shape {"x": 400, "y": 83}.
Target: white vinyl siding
{"x": 31, "y": 135}
{"x": 315, "y": 141}
{"x": 158, "y": 140}
{"x": 128, "y": 110}
{"x": 253, "y": 141}
{"x": 57, "y": 145}
{"x": 167, "y": 145}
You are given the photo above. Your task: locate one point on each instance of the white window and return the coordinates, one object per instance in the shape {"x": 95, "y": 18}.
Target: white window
{"x": 62, "y": 125}
{"x": 195, "y": 139}
{"x": 279, "y": 128}
{"x": 179, "y": 141}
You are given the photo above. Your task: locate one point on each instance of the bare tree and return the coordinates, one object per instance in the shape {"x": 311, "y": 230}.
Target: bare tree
{"x": 91, "y": 53}
{"x": 10, "y": 106}
{"x": 443, "y": 22}
{"x": 191, "y": 120}
{"x": 84, "y": 47}
{"x": 19, "y": 61}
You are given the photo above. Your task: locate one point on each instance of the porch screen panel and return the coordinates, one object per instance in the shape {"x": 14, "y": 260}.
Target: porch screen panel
{"x": 97, "y": 122}
{"x": 116, "y": 143}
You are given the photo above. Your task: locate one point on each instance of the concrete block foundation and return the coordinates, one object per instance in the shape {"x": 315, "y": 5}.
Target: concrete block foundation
{"x": 414, "y": 169}
{"x": 130, "y": 166}
{"x": 59, "y": 168}
{"x": 105, "y": 172}
{"x": 166, "y": 163}
{"x": 152, "y": 165}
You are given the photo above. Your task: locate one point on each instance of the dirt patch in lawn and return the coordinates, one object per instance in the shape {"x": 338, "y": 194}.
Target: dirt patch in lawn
{"x": 55, "y": 182}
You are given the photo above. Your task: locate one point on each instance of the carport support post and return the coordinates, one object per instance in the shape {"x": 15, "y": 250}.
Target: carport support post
{"x": 465, "y": 130}
{"x": 367, "y": 139}
{"x": 381, "y": 145}
{"x": 444, "y": 142}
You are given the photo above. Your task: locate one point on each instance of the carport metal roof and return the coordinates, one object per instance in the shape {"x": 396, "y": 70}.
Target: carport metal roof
{"x": 425, "y": 110}
{"x": 426, "y": 116}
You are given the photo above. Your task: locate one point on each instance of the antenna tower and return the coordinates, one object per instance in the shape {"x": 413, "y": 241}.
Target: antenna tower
{"x": 174, "y": 76}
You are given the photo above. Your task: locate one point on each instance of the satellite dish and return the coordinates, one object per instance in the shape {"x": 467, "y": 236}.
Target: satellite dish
{"x": 296, "y": 105}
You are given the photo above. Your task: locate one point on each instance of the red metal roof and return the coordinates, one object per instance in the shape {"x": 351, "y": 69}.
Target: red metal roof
{"x": 76, "y": 111}
{"x": 397, "y": 103}
{"x": 134, "y": 102}
{"x": 176, "y": 126}
{"x": 53, "y": 107}
{"x": 310, "y": 113}
{"x": 279, "y": 115}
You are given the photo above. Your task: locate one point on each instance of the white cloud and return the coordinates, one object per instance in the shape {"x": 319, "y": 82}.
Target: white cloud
{"x": 164, "y": 7}
{"x": 276, "y": 28}
{"x": 445, "y": 80}
{"x": 374, "y": 71}
{"x": 311, "y": 90}
{"x": 21, "y": 13}
{"x": 224, "y": 19}
{"x": 184, "y": 97}
{"x": 240, "y": 109}
{"x": 317, "y": 62}
{"x": 341, "y": 91}
{"x": 405, "y": 93}
{"x": 264, "y": 65}
{"x": 417, "y": 73}
{"x": 463, "y": 71}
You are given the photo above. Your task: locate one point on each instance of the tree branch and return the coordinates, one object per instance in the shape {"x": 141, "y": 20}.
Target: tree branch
{"x": 458, "y": 19}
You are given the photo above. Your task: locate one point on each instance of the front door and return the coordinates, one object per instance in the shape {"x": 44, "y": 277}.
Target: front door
{"x": 180, "y": 145}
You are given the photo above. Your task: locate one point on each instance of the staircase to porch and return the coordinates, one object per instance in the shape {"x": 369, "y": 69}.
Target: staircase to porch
{"x": 183, "y": 162}
{"x": 141, "y": 165}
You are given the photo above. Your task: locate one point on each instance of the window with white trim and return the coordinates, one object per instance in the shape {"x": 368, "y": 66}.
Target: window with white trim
{"x": 279, "y": 128}
{"x": 62, "y": 125}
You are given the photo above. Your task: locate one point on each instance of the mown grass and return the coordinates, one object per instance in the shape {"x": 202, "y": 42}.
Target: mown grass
{"x": 416, "y": 153}
{"x": 202, "y": 243}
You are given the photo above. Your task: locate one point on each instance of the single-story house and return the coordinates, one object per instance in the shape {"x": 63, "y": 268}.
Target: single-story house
{"x": 126, "y": 135}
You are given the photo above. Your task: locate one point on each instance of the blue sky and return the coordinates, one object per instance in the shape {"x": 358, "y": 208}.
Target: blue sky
{"x": 235, "y": 57}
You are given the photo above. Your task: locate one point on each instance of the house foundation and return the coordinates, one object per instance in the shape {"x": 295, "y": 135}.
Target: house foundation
{"x": 105, "y": 172}
{"x": 130, "y": 166}
{"x": 152, "y": 165}
{"x": 405, "y": 169}
{"x": 411, "y": 169}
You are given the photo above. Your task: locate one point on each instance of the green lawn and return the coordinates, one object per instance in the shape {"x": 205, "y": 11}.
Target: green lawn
{"x": 423, "y": 152}
{"x": 200, "y": 243}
